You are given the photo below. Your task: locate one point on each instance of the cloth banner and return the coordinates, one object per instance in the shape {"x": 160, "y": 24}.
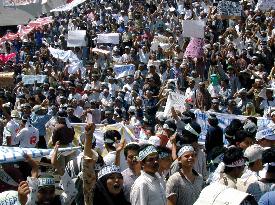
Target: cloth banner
{"x": 63, "y": 55}
{"x": 19, "y": 2}
{"x": 30, "y": 79}
{"x": 224, "y": 120}
{"x": 76, "y": 38}
{"x": 124, "y": 70}
{"x": 4, "y": 58}
{"x": 229, "y": 9}
{"x": 99, "y": 132}
{"x": 24, "y": 30}
{"x": 193, "y": 28}
{"x": 15, "y": 154}
{"x": 112, "y": 38}
{"x": 175, "y": 100}
{"x": 265, "y": 5}
{"x": 69, "y": 6}
{"x": 195, "y": 48}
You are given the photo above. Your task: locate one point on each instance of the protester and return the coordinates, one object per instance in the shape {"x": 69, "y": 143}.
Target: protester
{"x": 152, "y": 75}
{"x": 184, "y": 186}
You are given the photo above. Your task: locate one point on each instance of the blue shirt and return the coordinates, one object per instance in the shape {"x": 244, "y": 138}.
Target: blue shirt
{"x": 39, "y": 121}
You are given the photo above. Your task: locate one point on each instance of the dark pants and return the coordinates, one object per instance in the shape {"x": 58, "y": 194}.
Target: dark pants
{"x": 42, "y": 143}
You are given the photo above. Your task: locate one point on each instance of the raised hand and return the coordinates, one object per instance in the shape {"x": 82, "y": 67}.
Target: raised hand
{"x": 23, "y": 191}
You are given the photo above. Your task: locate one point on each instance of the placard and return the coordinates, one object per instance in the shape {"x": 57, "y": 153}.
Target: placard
{"x": 76, "y": 38}
{"x": 112, "y": 38}
{"x": 124, "y": 70}
{"x": 193, "y": 28}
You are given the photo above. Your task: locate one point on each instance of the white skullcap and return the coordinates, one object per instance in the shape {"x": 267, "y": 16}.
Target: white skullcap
{"x": 184, "y": 149}
{"x": 254, "y": 152}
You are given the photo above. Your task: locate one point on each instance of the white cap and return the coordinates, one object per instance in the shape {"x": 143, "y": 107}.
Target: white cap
{"x": 154, "y": 140}
{"x": 266, "y": 133}
{"x": 254, "y": 152}
{"x": 218, "y": 194}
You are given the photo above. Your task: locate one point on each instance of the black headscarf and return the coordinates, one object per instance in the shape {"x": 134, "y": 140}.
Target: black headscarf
{"x": 104, "y": 197}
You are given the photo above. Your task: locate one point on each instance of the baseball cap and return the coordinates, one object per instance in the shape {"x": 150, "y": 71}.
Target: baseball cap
{"x": 250, "y": 127}
{"x": 254, "y": 152}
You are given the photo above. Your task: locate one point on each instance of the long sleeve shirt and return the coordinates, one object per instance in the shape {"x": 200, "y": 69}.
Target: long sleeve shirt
{"x": 148, "y": 190}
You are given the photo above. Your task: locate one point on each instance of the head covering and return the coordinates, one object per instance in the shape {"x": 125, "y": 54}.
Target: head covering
{"x": 46, "y": 181}
{"x": 267, "y": 133}
{"x": 250, "y": 127}
{"x": 110, "y": 169}
{"x": 184, "y": 149}
{"x": 15, "y": 114}
{"x": 154, "y": 140}
{"x": 170, "y": 125}
{"x": 147, "y": 151}
{"x": 219, "y": 194}
{"x": 9, "y": 197}
{"x": 253, "y": 153}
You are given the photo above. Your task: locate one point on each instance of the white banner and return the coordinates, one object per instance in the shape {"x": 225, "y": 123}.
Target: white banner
{"x": 265, "y": 5}
{"x": 14, "y": 154}
{"x": 30, "y": 79}
{"x": 63, "y": 55}
{"x": 224, "y": 120}
{"x": 175, "y": 100}
{"x": 122, "y": 71}
{"x": 69, "y": 6}
{"x": 193, "y": 28}
{"x": 76, "y": 38}
{"x": 112, "y": 38}
{"x": 99, "y": 132}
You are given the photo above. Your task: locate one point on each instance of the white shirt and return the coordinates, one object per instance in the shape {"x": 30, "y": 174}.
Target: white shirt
{"x": 10, "y": 130}
{"x": 148, "y": 190}
{"x": 266, "y": 105}
{"x": 27, "y": 137}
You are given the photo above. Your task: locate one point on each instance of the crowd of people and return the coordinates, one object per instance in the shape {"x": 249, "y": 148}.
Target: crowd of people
{"x": 166, "y": 163}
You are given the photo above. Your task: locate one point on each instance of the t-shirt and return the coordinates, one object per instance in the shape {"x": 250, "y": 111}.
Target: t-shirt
{"x": 27, "y": 137}
{"x": 10, "y": 130}
{"x": 186, "y": 192}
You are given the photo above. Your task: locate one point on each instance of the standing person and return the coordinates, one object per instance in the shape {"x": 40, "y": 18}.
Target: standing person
{"x": 64, "y": 134}
{"x": 202, "y": 98}
{"x": 214, "y": 136}
{"x": 11, "y": 129}
{"x": 266, "y": 184}
{"x": 133, "y": 171}
{"x": 251, "y": 174}
{"x": 39, "y": 118}
{"x": 234, "y": 165}
{"x": 41, "y": 189}
{"x": 28, "y": 136}
{"x": 149, "y": 188}
{"x": 184, "y": 187}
